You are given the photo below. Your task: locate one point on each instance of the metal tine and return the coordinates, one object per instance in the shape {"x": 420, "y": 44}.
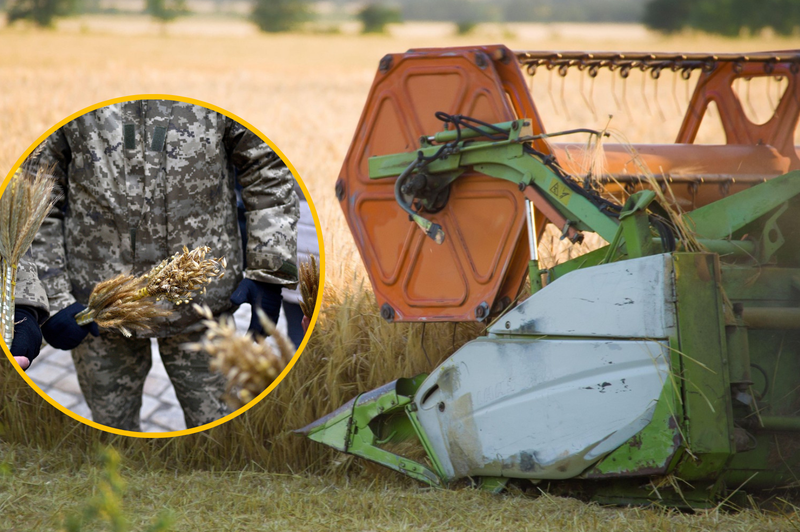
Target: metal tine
{"x": 550, "y": 90}
{"x": 675, "y": 90}
{"x": 750, "y": 101}
{"x": 687, "y": 76}
{"x": 769, "y": 93}
{"x": 655, "y": 73}
{"x": 624, "y": 72}
{"x": 644, "y": 95}
{"x": 562, "y": 71}
{"x": 778, "y": 92}
{"x": 585, "y": 99}
{"x": 614, "y": 90}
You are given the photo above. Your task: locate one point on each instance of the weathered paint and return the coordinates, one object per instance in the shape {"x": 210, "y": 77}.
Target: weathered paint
{"x": 628, "y": 299}
{"x": 545, "y": 409}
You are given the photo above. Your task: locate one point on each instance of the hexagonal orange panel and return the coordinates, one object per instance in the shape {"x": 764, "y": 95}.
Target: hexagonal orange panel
{"x": 483, "y": 262}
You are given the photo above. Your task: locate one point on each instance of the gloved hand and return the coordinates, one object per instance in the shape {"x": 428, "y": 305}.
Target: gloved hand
{"x": 27, "y": 336}
{"x": 267, "y": 296}
{"x": 63, "y": 332}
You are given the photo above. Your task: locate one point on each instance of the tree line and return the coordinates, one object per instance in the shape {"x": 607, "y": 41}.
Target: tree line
{"x": 724, "y": 17}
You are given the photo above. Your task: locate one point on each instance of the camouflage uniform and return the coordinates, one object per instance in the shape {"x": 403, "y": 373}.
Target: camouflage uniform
{"x": 29, "y": 291}
{"x": 142, "y": 179}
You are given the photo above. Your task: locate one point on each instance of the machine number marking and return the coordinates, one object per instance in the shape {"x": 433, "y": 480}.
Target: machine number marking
{"x": 560, "y": 192}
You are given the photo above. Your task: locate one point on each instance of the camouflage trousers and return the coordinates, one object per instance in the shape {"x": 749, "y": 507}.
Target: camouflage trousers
{"x": 112, "y": 370}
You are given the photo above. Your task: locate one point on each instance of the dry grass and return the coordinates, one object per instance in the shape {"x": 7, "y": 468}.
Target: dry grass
{"x": 305, "y": 92}
{"x": 38, "y": 490}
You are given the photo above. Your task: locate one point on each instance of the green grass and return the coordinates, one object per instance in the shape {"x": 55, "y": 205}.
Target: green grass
{"x": 39, "y": 489}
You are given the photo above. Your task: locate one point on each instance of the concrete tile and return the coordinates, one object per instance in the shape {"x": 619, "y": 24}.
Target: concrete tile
{"x": 44, "y": 373}
{"x": 242, "y": 319}
{"x": 69, "y": 384}
{"x": 169, "y": 418}
{"x": 149, "y": 405}
{"x": 169, "y": 396}
{"x": 82, "y": 409}
{"x": 151, "y": 427}
{"x": 60, "y": 358}
{"x": 155, "y": 385}
{"x": 67, "y": 400}
{"x": 46, "y": 351}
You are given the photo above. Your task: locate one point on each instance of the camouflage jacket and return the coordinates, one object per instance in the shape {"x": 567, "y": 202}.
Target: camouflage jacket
{"x": 29, "y": 291}
{"x": 141, "y": 180}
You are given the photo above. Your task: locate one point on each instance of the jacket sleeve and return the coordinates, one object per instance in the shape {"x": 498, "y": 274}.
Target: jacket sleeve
{"x": 271, "y": 204}
{"x": 30, "y": 291}
{"x": 48, "y": 249}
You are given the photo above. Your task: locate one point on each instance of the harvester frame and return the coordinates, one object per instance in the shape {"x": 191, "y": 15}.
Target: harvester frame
{"x": 665, "y": 356}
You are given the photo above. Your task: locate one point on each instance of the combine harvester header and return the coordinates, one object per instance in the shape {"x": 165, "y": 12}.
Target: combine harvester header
{"x": 669, "y": 357}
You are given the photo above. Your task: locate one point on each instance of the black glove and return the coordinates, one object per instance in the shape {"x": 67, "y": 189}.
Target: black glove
{"x": 27, "y": 335}
{"x": 267, "y": 296}
{"x": 63, "y": 332}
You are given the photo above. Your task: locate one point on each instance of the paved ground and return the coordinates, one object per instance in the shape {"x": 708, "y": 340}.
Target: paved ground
{"x": 54, "y": 372}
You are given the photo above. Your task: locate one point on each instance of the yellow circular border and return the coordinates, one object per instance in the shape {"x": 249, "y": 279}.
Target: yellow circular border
{"x": 314, "y": 317}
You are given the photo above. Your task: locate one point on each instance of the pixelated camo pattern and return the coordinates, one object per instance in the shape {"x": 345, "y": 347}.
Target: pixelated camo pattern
{"x": 141, "y": 180}
{"x": 112, "y": 373}
{"x": 29, "y": 292}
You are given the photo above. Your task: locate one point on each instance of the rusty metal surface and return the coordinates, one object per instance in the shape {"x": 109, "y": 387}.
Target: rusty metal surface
{"x": 697, "y": 175}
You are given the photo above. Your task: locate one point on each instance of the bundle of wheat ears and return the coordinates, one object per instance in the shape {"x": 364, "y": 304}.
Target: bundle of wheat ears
{"x": 309, "y": 285}
{"x": 249, "y": 364}
{"x": 127, "y": 303}
{"x": 24, "y": 205}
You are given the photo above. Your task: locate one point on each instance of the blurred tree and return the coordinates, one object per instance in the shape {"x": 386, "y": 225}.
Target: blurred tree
{"x": 465, "y": 27}
{"x": 40, "y": 12}
{"x": 276, "y": 16}
{"x": 375, "y": 17}
{"x": 667, "y": 16}
{"x": 724, "y": 17}
{"x": 166, "y": 10}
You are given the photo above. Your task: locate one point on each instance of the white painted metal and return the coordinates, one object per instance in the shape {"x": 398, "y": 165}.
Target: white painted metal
{"x": 627, "y": 299}
{"x": 540, "y": 409}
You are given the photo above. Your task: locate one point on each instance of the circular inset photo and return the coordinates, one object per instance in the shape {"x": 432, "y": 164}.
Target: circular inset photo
{"x": 161, "y": 265}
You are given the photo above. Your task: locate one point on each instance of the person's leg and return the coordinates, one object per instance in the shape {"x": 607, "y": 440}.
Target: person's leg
{"x": 199, "y": 390}
{"x": 111, "y": 373}
{"x": 294, "y": 322}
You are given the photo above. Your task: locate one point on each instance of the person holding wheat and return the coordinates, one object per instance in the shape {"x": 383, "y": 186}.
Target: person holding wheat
{"x": 142, "y": 179}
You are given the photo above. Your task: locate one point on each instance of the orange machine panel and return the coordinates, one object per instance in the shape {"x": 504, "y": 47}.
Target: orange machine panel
{"x": 481, "y": 265}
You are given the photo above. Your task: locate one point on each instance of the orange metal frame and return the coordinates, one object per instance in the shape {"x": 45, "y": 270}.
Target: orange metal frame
{"x": 483, "y": 262}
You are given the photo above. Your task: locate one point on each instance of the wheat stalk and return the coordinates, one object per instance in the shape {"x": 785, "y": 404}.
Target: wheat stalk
{"x": 23, "y": 207}
{"x": 309, "y": 285}
{"x": 128, "y": 303}
{"x": 250, "y": 365}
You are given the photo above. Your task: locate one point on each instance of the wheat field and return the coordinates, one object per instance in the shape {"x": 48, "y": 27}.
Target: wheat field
{"x": 304, "y": 91}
